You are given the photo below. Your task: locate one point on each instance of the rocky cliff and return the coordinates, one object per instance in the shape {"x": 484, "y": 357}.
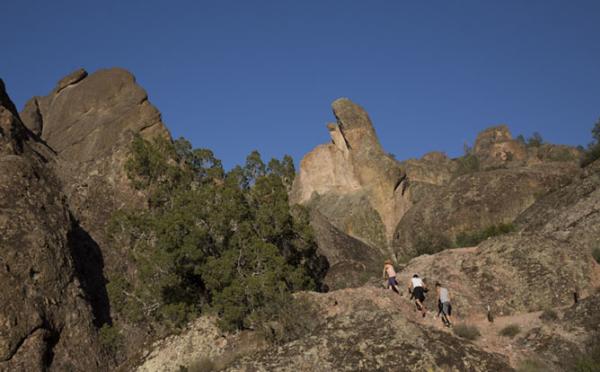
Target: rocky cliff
{"x": 63, "y": 177}
{"x": 352, "y": 180}
{"x": 421, "y": 205}
{"x": 89, "y": 122}
{"x": 46, "y": 322}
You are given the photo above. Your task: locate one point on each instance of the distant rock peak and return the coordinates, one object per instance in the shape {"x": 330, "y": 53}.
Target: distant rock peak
{"x": 71, "y": 79}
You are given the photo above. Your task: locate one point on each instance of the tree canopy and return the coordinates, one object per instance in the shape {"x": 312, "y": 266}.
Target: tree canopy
{"x": 211, "y": 240}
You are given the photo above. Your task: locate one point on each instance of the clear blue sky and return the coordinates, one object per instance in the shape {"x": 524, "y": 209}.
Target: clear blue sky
{"x": 235, "y": 76}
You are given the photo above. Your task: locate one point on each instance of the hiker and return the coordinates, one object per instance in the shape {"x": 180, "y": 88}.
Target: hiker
{"x": 417, "y": 289}
{"x": 445, "y": 307}
{"x": 388, "y": 270}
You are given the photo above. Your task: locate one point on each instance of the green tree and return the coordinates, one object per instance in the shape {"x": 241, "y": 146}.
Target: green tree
{"x": 211, "y": 240}
{"x": 596, "y": 131}
{"x": 535, "y": 140}
{"x": 255, "y": 167}
{"x": 593, "y": 151}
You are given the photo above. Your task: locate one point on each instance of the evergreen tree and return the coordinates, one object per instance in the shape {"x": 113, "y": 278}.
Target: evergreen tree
{"x": 211, "y": 240}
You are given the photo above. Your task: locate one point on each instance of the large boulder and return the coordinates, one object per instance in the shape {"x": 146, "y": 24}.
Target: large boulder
{"x": 351, "y": 262}
{"x": 45, "y": 321}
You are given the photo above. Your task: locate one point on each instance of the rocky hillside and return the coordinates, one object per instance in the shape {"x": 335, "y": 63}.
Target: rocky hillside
{"x": 529, "y": 210}
{"x": 63, "y": 177}
{"x": 45, "y": 320}
{"x": 423, "y": 205}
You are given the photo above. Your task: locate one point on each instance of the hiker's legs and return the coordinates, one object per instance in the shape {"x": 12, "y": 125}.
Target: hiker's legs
{"x": 447, "y": 309}
{"x": 421, "y": 306}
{"x": 393, "y": 285}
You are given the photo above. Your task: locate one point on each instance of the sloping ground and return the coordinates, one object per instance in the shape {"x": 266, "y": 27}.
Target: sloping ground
{"x": 371, "y": 329}
{"x": 571, "y": 213}
{"x": 201, "y": 341}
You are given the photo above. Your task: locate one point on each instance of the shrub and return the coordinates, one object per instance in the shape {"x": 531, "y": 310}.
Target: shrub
{"x": 203, "y": 364}
{"x": 596, "y": 254}
{"x": 469, "y": 332}
{"x": 467, "y": 164}
{"x": 590, "y": 361}
{"x": 593, "y": 151}
{"x": 110, "y": 338}
{"x": 549, "y": 315}
{"x": 510, "y": 331}
{"x": 535, "y": 140}
{"x": 590, "y": 155}
{"x": 290, "y": 321}
{"x": 469, "y": 239}
{"x": 532, "y": 365}
{"x": 431, "y": 243}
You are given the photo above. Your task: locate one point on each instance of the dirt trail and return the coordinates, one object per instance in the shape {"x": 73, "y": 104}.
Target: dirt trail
{"x": 490, "y": 339}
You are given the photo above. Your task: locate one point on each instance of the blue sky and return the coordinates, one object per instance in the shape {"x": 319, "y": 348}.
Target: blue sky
{"x": 234, "y": 76}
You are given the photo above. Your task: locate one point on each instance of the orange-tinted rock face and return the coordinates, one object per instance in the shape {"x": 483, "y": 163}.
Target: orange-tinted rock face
{"x": 354, "y": 165}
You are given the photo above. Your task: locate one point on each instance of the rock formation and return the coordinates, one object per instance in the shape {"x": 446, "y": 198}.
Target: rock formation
{"x": 539, "y": 266}
{"x": 503, "y": 179}
{"x": 62, "y": 178}
{"x": 345, "y": 255}
{"x": 45, "y": 321}
{"x": 89, "y": 121}
{"x": 352, "y": 180}
{"x": 363, "y": 329}
{"x": 474, "y": 202}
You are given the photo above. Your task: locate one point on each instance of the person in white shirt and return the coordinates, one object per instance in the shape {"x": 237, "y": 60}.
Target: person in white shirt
{"x": 417, "y": 288}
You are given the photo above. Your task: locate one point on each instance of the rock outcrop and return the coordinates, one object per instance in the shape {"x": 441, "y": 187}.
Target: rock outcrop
{"x": 474, "y": 202}
{"x": 541, "y": 265}
{"x": 352, "y": 180}
{"x": 89, "y": 121}
{"x": 363, "y": 329}
{"x": 351, "y": 262}
{"x": 45, "y": 321}
{"x": 495, "y": 183}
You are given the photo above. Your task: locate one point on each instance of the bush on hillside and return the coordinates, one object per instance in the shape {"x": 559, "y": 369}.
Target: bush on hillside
{"x": 532, "y": 365}
{"x": 432, "y": 242}
{"x": 590, "y": 361}
{"x": 510, "y": 331}
{"x": 469, "y": 332}
{"x": 596, "y": 254}
{"x": 549, "y": 315}
{"x": 593, "y": 150}
{"x": 289, "y": 321}
{"x": 203, "y": 364}
{"x": 110, "y": 338}
{"x": 467, "y": 164}
{"x": 590, "y": 155}
{"x": 469, "y": 239}
{"x": 535, "y": 140}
